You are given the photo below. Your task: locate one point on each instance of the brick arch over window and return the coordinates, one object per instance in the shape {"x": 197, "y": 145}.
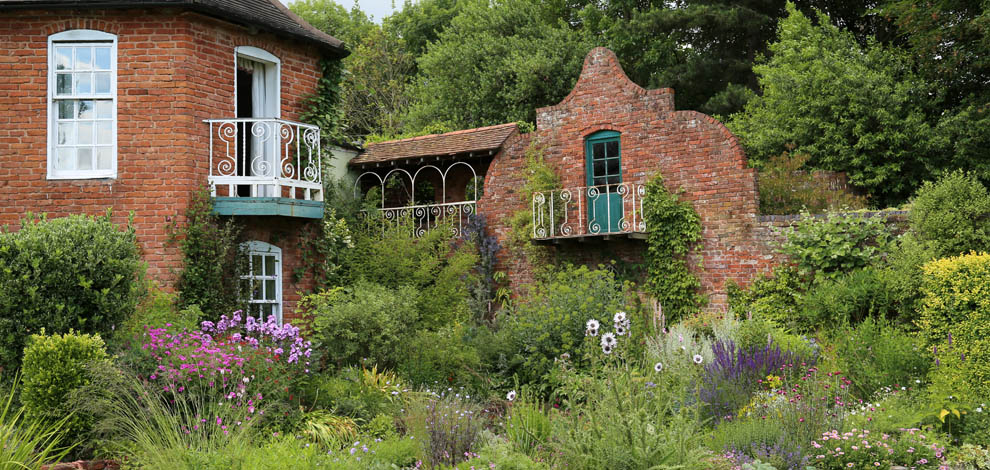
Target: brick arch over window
{"x": 693, "y": 152}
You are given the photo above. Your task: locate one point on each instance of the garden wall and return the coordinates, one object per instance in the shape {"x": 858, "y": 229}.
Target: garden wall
{"x": 175, "y": 69}
{"x": 694, "y": 153}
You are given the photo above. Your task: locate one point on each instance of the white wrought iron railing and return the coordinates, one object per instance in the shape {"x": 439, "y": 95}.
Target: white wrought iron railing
{"x": 257, "y": 157}
{"x": 589, "y": 211}
{"x": 423, "y": 217}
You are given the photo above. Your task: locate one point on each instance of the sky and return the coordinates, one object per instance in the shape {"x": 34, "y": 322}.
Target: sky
{"x": 376, "y": 8}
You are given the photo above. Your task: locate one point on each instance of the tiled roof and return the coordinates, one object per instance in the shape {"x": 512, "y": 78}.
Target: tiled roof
{"x": 266, "y": 14}
{"x": 481, "y": 139}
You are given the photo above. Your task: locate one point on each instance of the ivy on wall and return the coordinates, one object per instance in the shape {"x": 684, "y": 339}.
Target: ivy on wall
{"x": 211, "y": 257}
{"x": 323, "y": 107}
{"x": 539, "y": 176}
{"x": 674, "y": 228}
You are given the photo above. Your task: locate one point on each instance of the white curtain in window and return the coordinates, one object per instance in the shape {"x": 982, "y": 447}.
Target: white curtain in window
{"x": 262, "y": 103}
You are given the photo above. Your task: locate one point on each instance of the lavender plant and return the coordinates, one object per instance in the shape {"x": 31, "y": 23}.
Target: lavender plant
{"x": 452, "y": 427}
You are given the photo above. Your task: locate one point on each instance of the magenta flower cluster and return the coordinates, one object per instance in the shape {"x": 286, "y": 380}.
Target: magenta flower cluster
{"x": 267, "y": 334}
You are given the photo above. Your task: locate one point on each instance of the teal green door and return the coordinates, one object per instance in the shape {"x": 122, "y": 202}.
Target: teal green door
{"x": 604, "y": 175}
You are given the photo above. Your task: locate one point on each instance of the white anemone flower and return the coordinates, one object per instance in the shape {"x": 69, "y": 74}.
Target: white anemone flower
{"x": 619, "y": 318}
{"x": 620, "y": 330}
{"x": 607, "y": 349}
{"x": 608, "y": 339}
{"x": 511, "y": 395}
{"x": 698, "y": 359}
{"x": 592, "y": 324}
{"x": 658, "y": 367}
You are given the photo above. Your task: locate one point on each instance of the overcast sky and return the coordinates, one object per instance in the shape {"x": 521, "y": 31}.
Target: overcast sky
{"x": 376, "y": 8}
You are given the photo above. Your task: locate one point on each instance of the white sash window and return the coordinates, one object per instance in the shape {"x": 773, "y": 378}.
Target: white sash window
{"x": 82, "y": 105}
{"x": 264, "y": 280}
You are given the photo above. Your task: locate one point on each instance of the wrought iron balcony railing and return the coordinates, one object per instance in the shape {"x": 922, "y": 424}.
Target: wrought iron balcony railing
{"x": 453, "y": 215}
{"x": 257, "y": 157}
{"x": 589, "y": 211}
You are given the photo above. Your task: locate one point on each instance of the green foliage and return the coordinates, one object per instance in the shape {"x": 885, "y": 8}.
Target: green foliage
{"x": 364, "y": 322}
{"x": 952, "y": 215}
{"x": 970, "y": 457}
{"x": 440, "y": 356}
{"x": 902, "y": 276}
{"x": 432, "y": 264}
{"x": 774, "y": 297}
{"x": 29, "y": 444}
{"x": 674, "y": 228}
{"x": 876, "y": 354}
{"x": 757, "y": 333}
{"x": 539, "y": 176}
{"x": 820, "y": 91}
{"x": 212, "y": 260}
{"x": 787, "y": 188}
{"x": 496, "y": 62}
{"x": 841, "y": 300}
{"x": 348, "y": 394}
{"x": 826, "y": 247}
{"x": 626, "y": 423}
{"x": 528, "y": 426}
{"x": 74, "y": 273}
{"x": 323, "y": 248}
{"x": 550, "y": 321}
{"x": 376, "y": 86}
{"x": 330, "y": 17}
{"x": 420, "y": 22}
{"x": 503, "y": 456}
{"x": 954, "y": 316}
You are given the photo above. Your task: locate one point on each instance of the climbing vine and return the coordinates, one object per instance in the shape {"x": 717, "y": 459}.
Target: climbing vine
{"x": 212, "y": 260}
{"x": 674, "y": 228}
{"x": 539, "y": 176}
{"x": 323, "y": 107}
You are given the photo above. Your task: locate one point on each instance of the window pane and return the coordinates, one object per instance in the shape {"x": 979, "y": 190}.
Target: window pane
{"x": 102, "y": 82}
{"x": 104, "y": 158}
{"x": 598, "y": 150}
{"x": 84, "y": 58}
{"x": 614, "y": 180}
{"x": 104, "y": 109}
{"x": 63, "y": 58}
{"x": 104, "y": 133}
{"x": 66, "y": 133}
{"x": 65, "y": 109}
{"x": 102, "y": 58}
{"x": 266, "y": 310}
{"x": 85, "y": 109}
{"x": 613, "y": 166}
{"x": 84, "y": 133}
{"x": 256, "y": 290}
{"x": 256, "y": 265}
{"x": 63, "y": 84}
{"x": 598, "y": 167}
{"x": 270, "y": 289}
{"x": 612, "y": 148}
{"x": 85, "y": 158}
{"x": 84, "y": 83}
{"x": 66, "y": 159}
{"x": 598, "y": 181}
{"x": 269, "y": 266}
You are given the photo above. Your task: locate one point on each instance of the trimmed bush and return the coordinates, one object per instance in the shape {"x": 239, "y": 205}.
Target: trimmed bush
{"x": 826, "y": 247}
{"x": 54, "y": 367}
{"x": 362, "y": 323}
{"x": 954, "y": 318}
{"x": 73, "y": 273}
{"x": 952, "y": 214}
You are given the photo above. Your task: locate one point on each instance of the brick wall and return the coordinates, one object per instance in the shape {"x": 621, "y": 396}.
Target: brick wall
{"x": 175, "y": 68}
{"x": 694, "y": 152}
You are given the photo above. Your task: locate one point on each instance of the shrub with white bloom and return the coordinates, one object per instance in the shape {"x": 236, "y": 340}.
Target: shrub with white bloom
{"x": 698, "y": 359}
{"x": 658, "y": 367}
{"x": 511, "y": 395}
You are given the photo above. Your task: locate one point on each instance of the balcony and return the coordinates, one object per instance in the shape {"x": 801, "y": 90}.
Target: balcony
{"x": 589, "y": 211}
{"x": 265, "y": 167}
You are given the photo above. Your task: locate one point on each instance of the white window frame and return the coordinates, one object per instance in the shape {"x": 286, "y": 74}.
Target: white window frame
{"x": 275, "y": 86}
{"x": 256, "y": 247}
{"x": 79, "y": 37}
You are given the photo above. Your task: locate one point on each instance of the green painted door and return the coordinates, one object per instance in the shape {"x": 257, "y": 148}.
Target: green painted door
{"x": 604, "y": 174}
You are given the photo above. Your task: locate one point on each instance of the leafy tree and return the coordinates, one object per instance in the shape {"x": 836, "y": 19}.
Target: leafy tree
{"x": 421, "y": 22}
{"x": 496, "y": 62}
{"x": 332, "y": 18}
{"x": 852, "y": 109}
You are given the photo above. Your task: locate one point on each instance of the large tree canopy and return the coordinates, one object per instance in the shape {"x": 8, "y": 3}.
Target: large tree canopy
{"x": 854, "y": 109}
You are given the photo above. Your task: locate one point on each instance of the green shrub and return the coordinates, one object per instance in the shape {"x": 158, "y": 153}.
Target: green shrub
{"x": 825, "y": 247}
{"x": 73, "y": 273}
{"x": 844, "y": 299}
{"x": 54, "y": 367}
{"x": 549, "y": 322}
{"x": 875, "y": 354}
{"x": 347, "y": 394}
{"x": 438, "y": 356}
{"x": 28, "y": 443}
{"x": 955, "y": 317}
{"x": 952, "y": 214}
{"x": 362, "y": 323}
{"x": 757, "y": 333}
{"x": 773, "y": 297}
{"x": 902, "y": 277}
{"x": 501, "y": 455}
{"x": 527, "y": 427}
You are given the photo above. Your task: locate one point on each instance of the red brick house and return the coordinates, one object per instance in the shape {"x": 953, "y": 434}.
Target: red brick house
{"x": 605, "y": 140}
{"x": 133, "y": 105}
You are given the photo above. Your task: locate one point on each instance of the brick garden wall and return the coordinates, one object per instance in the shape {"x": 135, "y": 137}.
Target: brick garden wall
{"x": 175, "y": 68}
{"x": 695, "y": 154}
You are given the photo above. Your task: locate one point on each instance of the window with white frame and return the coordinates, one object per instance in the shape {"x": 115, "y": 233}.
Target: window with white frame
{"x": 82, "y": 105}
{"x": 264, "y": 280}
